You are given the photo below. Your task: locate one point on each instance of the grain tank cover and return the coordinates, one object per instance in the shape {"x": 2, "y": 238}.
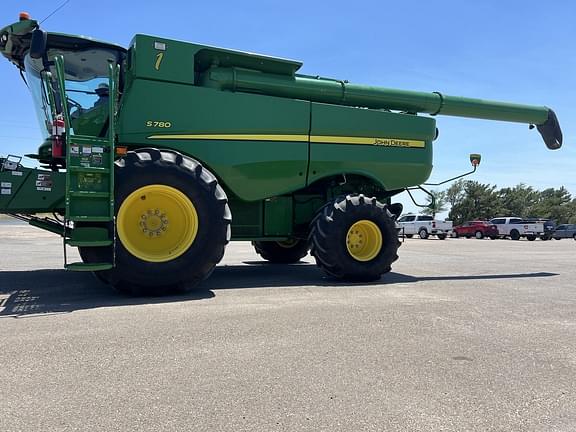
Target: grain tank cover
{"x": 161, "y": 59}
{"x": 210, "y": 56}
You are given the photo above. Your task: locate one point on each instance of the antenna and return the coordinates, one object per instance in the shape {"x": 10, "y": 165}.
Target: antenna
{"x": 55, "y": 10}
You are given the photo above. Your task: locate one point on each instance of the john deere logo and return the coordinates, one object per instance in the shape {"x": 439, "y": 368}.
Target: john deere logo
{"x": 392, "y": 142}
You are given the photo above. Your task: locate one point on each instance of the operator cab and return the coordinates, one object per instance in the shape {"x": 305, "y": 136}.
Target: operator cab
{"x": 86, "y": 84}
{"x": 86, "y": 77}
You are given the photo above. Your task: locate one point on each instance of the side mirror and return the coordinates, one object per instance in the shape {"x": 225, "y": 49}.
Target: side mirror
{"x": 38, "y": 43}
{"x": 475, "y": 159}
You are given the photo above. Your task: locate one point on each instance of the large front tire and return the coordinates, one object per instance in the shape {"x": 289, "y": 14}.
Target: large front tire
{"x": 354, "y": 239}
{"x": 284, "y": 252}
{"x": 173, "y": 223}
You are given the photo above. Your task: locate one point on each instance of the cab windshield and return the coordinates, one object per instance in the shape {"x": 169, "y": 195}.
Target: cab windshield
{"x": 86, "y": 76}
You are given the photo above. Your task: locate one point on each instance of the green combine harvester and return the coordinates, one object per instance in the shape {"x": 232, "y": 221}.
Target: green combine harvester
{"x": 156, "y": 156}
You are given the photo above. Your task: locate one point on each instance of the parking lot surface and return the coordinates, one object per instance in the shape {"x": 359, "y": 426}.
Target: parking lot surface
{"x": 462, "y": 335}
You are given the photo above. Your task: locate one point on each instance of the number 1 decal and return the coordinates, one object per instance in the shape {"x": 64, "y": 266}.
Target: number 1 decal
{"x": 159, "y": 58}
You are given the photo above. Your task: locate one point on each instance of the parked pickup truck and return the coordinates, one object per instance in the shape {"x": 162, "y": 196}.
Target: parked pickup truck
{"x": 424, "y": 226}
{"x": 477, "y": 228}
{"x": 515, "y": 227}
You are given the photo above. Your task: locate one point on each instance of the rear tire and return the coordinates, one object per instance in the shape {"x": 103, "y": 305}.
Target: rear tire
{"x": 354, "y": 239}
{"x": 423, "y": 234}
{"x": 515, "y": 234}
{"x": 288, "y": 252}
{"x": 441, "y": 236}
{"x": 531, "y": 238}
{"x": 409, "y": 235}
{"x": 143, "y": 267}
{"x": 479, "y": 235}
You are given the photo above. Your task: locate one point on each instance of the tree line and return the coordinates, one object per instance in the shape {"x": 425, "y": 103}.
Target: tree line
{"x": 469, "y": 200}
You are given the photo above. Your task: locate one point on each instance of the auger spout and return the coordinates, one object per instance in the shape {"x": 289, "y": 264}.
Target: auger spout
{"x": 331, "y": 91}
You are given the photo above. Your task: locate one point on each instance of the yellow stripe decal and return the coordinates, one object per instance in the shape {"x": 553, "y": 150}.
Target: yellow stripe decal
{"x": 317, "y": 139}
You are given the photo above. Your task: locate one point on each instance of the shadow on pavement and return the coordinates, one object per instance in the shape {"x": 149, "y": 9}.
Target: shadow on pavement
{"x": 29, "y": 293}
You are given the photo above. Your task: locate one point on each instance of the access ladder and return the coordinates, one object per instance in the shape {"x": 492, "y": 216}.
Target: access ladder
{"x": 90, "y": 183}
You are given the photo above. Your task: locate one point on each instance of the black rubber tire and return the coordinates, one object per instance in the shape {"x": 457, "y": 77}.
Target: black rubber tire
{"x": 328, "y": 238}
{"x": 441, "y": 236}
{"x": 515, "y": 234}
{"x": 423, "y": 234}
{"x": 479, "y": 235}
{"x": 153, "y": 166}
{"x": 493, "y": 237}
{"x": 574, "y": 236}
{"x": 409, "y": 235}
{"x": 279, "y": 253}
{"x": 557, "y": 238}
{"x": 530, "y": 238}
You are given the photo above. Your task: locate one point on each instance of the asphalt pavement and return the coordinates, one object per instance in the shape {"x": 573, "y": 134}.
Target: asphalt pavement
{"x": 462, "y": 335}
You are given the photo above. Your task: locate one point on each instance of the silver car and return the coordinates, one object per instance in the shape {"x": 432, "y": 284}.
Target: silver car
{"x": 565, "y": 231}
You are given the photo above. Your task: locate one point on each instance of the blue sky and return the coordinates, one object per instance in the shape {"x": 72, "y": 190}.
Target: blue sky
{"x": 517, "y": 51}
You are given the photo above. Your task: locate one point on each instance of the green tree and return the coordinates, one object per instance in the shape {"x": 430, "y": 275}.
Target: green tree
{"x": 478, "y": 201}
{"x": 554, "y": 204}
{"x": 518, "y": 200}
{"x": 455, "y": 192}
{"x": 572, "y": 212}
{"x": 439, "y": 205}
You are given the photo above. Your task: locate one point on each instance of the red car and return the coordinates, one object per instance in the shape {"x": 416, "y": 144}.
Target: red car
{"x": 478, "y": 229}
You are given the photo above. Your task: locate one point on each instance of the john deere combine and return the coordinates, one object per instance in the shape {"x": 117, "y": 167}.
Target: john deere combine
{"x": 156, "y": 156}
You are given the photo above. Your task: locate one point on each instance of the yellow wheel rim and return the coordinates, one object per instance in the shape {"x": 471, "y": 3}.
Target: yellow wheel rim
{"x": 157, "y": 223}
{"x": 364, "y": 240}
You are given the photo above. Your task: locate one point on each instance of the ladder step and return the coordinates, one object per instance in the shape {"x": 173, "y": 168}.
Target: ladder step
{"x": 89, "y": 194}
{"x": 89, "y": 267}
{"x": 89, "y": 218}
{"x": 89, "y": 169}
{"x": 89, "y": 243}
